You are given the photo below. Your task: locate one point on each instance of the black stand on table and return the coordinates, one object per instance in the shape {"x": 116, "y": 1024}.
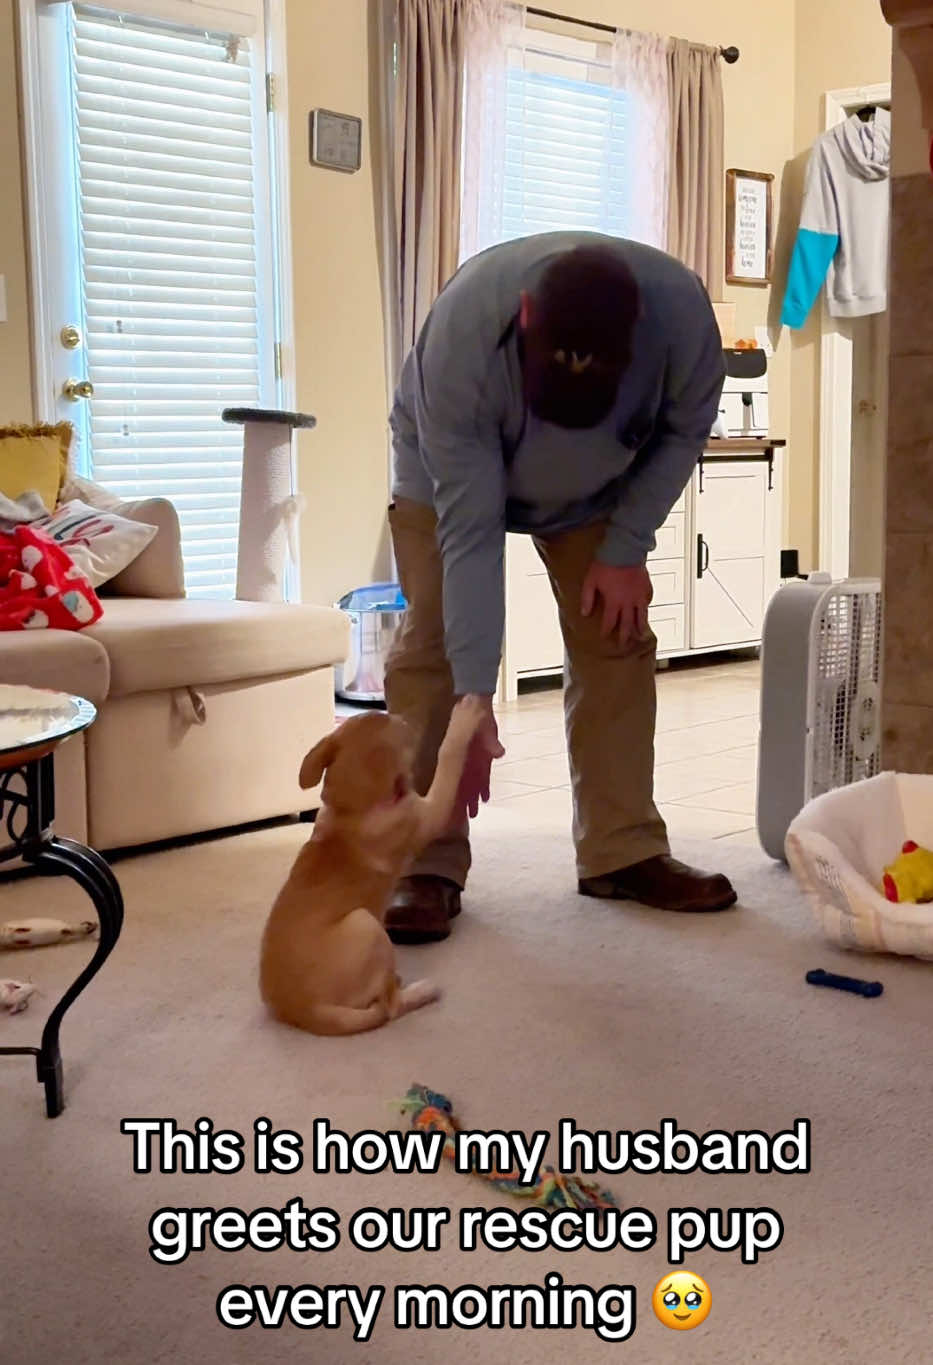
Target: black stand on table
{"x": 27, "y": 809}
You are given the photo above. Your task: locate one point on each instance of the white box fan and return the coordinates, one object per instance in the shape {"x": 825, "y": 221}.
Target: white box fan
{"x": 820, "y": 697}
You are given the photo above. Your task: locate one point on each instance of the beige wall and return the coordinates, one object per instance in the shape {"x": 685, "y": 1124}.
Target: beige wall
{"x": 789, "y": 58}
{"x": 791, "y": 54}
{"x": 839, "y": 44}
{"x": 338, "y": 310}
{"x": 338, "y": 306}
{"x": 338, "y": 318}
{"x": 15, "y": 368}
{"x": 759, "y": 128}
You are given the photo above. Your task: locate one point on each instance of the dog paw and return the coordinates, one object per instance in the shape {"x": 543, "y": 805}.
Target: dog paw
{"x": 468, "y": 715}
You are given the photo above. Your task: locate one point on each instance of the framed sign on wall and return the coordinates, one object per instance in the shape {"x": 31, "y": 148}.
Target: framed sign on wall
{"x": 749, "y": 214}
{"x": 336, "y": 140}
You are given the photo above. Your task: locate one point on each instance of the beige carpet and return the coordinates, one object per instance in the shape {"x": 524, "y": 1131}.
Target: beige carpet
{"x": 554, "y": 1006}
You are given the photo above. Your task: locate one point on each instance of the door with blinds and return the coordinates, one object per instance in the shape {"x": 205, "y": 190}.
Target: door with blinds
{"x": 159, "y": 296}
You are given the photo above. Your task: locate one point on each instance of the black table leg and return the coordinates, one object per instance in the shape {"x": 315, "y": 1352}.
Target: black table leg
{"x": 58, "y": 857}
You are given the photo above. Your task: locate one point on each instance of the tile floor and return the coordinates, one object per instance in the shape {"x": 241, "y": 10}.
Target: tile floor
{"x": 706, "y": 752}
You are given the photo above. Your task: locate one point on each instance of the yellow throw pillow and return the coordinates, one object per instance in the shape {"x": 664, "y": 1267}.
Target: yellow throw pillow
{"x": 35, "y": 458}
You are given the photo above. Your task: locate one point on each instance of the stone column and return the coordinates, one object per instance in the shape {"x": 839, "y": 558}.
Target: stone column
{"x": 907, "y": 697}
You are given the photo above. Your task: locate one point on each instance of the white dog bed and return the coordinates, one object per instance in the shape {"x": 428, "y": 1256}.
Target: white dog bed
{"x": 838, "y": 847}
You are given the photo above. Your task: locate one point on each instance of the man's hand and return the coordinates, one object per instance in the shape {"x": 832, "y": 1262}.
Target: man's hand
{"x": 626, "y": 595}
{"x": 484, "y": 747}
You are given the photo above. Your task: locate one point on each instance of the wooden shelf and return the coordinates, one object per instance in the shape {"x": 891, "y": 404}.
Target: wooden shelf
{"x": 738, "y": 449}
{"x": 731, "y": 444}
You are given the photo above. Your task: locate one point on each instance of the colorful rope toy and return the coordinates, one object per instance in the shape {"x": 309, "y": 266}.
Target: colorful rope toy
{"x": 432, "y": 1112}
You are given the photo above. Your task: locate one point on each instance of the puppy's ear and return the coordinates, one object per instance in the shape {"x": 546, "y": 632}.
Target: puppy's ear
{"x": 316, "y": 760}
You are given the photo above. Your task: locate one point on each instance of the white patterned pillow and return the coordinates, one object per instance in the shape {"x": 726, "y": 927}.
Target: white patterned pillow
{"x": 101, "y": 542}
{"x": 76, "y": 489}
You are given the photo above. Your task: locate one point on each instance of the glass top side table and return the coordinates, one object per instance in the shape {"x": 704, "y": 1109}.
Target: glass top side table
{"x": 33, "y": 723}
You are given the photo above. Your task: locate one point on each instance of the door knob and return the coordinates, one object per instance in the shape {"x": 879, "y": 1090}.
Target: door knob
{"x": 75, "y": 389}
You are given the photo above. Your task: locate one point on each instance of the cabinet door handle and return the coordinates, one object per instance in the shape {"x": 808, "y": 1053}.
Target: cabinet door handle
{"x": 702, "y": 556}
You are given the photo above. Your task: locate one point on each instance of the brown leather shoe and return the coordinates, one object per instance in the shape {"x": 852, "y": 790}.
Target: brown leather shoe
{"x": 421, "y": 909}
{"x": 664, "y": 884}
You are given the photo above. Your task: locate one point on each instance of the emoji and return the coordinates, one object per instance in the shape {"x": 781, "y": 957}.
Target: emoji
{"x": 681, "y": 1300}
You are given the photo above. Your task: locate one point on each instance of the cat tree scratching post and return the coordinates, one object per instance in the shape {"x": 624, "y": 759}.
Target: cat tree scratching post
{"x": 269, "y": 510}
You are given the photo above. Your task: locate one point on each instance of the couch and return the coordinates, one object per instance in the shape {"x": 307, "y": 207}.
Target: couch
{"x": 205, "y": 708}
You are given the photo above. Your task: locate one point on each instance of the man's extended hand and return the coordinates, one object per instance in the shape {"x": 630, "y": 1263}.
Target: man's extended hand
{"x": 484, "y": 747}
{"x": 626, "y": 595}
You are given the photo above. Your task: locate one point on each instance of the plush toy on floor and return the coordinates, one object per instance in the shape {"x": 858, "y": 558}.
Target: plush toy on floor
{"x": 433, "y": 1113}
{"x": 910, "y": 876}
{"x": 37, "y": 933}
{"x": 15, "y": 995}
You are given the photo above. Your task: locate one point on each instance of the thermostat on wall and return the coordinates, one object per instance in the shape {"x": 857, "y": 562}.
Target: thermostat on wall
{"x": 336, "y": 140}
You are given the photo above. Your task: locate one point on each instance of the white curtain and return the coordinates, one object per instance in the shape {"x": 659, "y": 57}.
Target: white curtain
{"x": 640, "y": 68}
{"x": 489, "y": 57}
{"x": 563, "y": 132}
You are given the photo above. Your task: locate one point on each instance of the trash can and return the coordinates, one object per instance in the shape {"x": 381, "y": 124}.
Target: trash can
{"x": 375, "y": 612}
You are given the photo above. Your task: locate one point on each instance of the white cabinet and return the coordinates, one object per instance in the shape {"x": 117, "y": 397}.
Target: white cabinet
{"x": 670, "y": 628}
{"x": 671, "y": 538}
{"x": 715, "y": 567}
{"x": 534, "y": 642}
{"x": 734, "y": 553}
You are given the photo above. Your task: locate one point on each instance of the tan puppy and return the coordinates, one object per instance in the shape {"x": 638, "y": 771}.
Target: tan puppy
{"x": 327, "y": 963}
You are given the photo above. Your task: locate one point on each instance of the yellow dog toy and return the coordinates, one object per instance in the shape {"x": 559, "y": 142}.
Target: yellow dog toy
{"x": 910, "y": 876}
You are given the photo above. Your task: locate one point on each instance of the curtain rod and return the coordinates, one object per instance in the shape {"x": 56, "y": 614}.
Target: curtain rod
{"x": 728, "y": 54}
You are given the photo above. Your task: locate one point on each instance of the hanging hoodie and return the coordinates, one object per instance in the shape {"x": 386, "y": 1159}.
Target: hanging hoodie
{"x": 843, "y": 234}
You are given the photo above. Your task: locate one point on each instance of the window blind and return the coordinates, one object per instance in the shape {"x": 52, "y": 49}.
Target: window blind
{"x": 167, "y": 215}
{"x": 566, "y": 155}
{"x": 559, "y": 156}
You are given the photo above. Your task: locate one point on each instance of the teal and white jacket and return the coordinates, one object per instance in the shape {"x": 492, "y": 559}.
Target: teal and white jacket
{"x": 843, "y": 234}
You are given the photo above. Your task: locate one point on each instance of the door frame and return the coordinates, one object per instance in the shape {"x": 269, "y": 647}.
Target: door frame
{"x": 835, "y": 424}
{"x": 39, "y": 228}
{"x": 37, "y": 223}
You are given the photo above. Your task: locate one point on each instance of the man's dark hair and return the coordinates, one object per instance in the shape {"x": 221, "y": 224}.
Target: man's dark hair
{"x": 578, "y": 341}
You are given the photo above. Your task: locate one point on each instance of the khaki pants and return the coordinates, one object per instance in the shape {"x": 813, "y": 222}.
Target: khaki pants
{"x": 609, "y": 701}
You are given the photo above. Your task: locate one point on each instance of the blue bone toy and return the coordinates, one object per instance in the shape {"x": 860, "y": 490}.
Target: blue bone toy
{"x": 845, "y": 983}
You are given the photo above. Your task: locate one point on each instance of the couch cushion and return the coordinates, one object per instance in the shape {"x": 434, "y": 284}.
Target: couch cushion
{"x": 61, "y": 659}
{"x": 159, "y": 571}
{"x": 158, "y": 643}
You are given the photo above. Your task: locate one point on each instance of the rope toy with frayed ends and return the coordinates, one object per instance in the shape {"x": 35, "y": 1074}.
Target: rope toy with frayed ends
{"x": 431, "y": 1112}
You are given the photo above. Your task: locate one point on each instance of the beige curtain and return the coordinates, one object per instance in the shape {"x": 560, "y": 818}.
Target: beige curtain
{"x": 382, "y": 35}
{"x": 428, "y": 130}
{"x": 695, "y": 210}
{"x": 422, "y": 50}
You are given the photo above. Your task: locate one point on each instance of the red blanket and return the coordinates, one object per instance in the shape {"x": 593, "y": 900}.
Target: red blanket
{"x": 40, "y": 586}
